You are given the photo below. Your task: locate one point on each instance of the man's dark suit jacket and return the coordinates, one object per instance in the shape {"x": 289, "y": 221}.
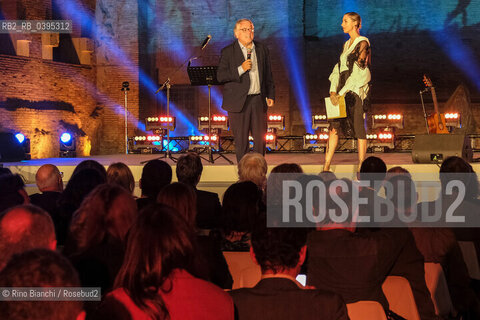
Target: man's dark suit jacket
{"x": 209, "y": 210}
{"x": 351, "y": 264}
{"x": 236, "y": 88}
{"x": 281, "y": 298}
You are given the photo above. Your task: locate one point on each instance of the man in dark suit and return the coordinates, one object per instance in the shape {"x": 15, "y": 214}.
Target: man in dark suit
{"x": 189, "y": 170}
{"x": 280, "y": 252}
{"x": 49, "y": 182}
{"x": 245, "y": 69}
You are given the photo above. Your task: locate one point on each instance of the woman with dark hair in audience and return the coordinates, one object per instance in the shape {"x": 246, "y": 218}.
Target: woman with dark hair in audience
{"x": 210, "y": 263}
{"x": 242, "y": 203}
{"x": 156, "y": 281}
{"x": 78, "y": 187}
{"x": 119, "y": 173}
{"x": 287, "y": 168}
{"x": 97, "y": 235}
{"x": 91, "y": 164}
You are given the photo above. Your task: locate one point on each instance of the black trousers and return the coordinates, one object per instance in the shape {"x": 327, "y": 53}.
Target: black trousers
{"x": 252, "y": 119}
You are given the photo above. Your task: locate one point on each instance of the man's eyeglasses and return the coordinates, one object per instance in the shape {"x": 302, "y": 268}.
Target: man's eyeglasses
{"x": 246, "y": 29}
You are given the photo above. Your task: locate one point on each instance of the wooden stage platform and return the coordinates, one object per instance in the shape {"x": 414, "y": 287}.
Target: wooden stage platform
{"x": 218, "y": 176}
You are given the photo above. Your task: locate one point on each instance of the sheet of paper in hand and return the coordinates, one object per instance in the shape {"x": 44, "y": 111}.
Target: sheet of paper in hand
{"x": 336, "y": 111}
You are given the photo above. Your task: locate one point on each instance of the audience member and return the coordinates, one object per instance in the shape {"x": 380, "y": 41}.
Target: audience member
{"x": 253, "y": 167}
{"x": 349, "y": 263}
{"x": 156, "y": 174}
{"x": 211, "y": 264}
{"x": 409, "y": 262}
{"x": 189, "y": 170}
{"x": 280, "y": 252}
{"x": 119, "y": 173}
{"x": 78, "y": 187}
{"x": 373, "y": 170}
{"x": 12, "y": 192}
{"x": 242, "y": 203}
{"x": 156, "y": 281}
{"x": 23, "y": 228}
{"x": 40, "y": 268}
{"x": 4, "y": 170}
{"x": 437, "y": 245}
{"x": 49, "y": 182}
{"x": 91, "y": 164}
{"x": 287, "y": 168}
{"x": 97, "y": 235}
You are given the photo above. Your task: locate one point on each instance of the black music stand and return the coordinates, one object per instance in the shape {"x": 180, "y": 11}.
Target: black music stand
{"x": 207, "y": 76}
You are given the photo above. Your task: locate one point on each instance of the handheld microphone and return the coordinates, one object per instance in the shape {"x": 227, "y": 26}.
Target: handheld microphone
{"x": 249, "y": 54}
{"x": 206, "y": 41}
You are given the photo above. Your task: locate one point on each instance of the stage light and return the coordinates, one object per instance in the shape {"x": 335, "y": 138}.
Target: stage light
{"x": 319, "y": 121}
{"x": 20, "y": 137}
{"x": 392, "y": 120}
{"x": 275, "y": 121}
{"x": 271, "y": 141}
{"x": 317, "y": 141}
{"x": 452, "y": 119}
{"x": 67, "y": 145}
{"x": 202, "y": 141}
{"x": 160, "y": 123}
{"x": 217, "y": 122}
{"x": 381, "y": 140}
{"x": 148, "y": 143}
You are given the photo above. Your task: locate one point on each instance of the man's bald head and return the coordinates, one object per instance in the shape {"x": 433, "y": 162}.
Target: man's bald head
{"x": 24, "y": 228}
{"x": 48, "y": 178}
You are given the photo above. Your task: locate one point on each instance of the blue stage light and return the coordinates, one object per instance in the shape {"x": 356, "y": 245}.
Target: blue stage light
{"x": 66, "y": 137}
{"x": 20, "y": 137}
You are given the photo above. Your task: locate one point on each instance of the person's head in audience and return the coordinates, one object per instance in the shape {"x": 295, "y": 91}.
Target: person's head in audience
{"x": 79, "y": 186}
{"x": 119, "y": 173}
{"x": 158, "y": 243}
{"x": 105, "y": 215}
{"x": 91, "y": 164}
{"x": 456, "y": 168}
{"x": 189, "y": 169}
{"x": 397, "y": 170}
{"x": 156, "y": 174}
{"x": 5, "y": 171}
{"x": 12, "y": 192}
{"x": 404, "y": 193}
{"x": 327, "y": 176}
{"x": 279, "y": 250}
{"x": 287, "y": 168}
{"x": 49, "y": 178}
{"x": 23, "y": 228}
{"x": 40, "y": 268}
{"x": 374, "y": 170}
{"x": 182, "y": 198}
{"x": 253, "y": 167}
{"x": 242, "y": 203}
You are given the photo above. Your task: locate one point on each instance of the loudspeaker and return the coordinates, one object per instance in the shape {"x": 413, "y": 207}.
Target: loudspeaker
{"x": 10, "y": 148}
{"x": 434, "y": 148}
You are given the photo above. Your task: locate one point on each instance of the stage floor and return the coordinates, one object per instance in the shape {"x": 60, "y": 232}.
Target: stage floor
{"x": 218, "y": 176}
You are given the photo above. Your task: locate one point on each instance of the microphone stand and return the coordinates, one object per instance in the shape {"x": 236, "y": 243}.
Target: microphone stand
{"x": 125, "y": 88}
{"x": 167, "y": 84}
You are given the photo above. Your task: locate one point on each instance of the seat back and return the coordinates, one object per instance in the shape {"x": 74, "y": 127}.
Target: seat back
{"x": 363, "y": 310}
{"x": 437, "y": 285}
{"x": 400, "y": 298}
{"x": 241, "y": 263}
{"x": 470, "y": 257}
{"x": 250, "y": 276}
